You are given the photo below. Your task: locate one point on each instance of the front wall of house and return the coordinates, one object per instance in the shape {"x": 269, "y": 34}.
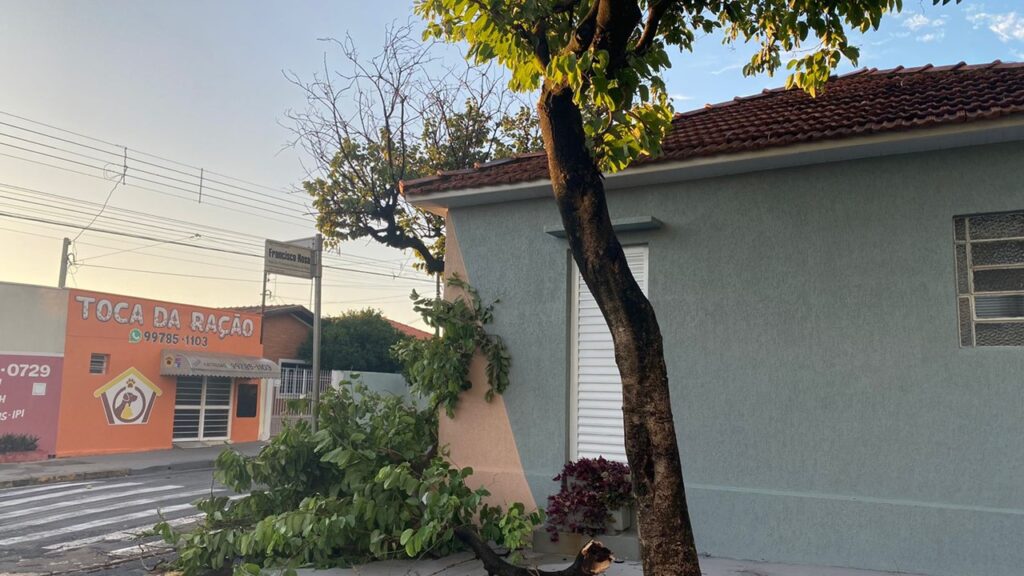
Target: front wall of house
{"x": 826, "y": 412}
{"x": 131, "y": 333}
{"x": 32, "y": 325}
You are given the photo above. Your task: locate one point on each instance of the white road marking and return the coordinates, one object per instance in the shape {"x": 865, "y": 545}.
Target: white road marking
{"x": 90, "y": 511}
{"x": 92, "y": 488}
{"x": 89, "y": 500}
{"x": 19, "y": 491}
{"x": 93, "y": 524}
{"x": 118, "y": 536}
{"x": 123, "y": 534}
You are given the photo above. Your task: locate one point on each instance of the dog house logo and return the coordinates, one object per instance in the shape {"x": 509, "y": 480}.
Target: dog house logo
{"x": 129, "y": 398}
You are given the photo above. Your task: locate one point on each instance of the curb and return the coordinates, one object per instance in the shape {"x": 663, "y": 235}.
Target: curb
{"x": 33, "y": 480}
{"x": 101, "y": 474}
{"x": 175, "y": 467}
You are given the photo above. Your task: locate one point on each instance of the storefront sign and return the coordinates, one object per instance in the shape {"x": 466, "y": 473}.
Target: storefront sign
{"x": 129, "y": 398}
{"x": 181, "y": 363}
{"x": 30, "y": 396}
{"x": 288, "y": 259}
{"x": 163, "y": 324}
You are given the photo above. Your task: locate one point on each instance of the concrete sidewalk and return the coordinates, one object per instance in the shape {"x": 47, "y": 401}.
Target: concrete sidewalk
{"x": 113, "y": 465}
{"x": 466, "y": 565}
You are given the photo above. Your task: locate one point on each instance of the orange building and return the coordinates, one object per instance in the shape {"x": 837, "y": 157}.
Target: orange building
{"x": 142, "y": 374}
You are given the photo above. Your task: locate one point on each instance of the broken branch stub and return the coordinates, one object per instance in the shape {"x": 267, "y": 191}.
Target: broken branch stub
{"x": 593, "y": 559}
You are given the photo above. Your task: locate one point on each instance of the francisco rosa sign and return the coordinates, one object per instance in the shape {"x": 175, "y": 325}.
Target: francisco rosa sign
{"x": 288, "y": 259}
{"x": 153, "y": 320}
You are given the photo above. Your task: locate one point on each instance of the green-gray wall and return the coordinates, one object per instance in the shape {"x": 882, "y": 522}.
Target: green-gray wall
{"x": 825, "y": 410}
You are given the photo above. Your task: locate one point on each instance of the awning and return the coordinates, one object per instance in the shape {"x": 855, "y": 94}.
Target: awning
{"x": 192, "y": 363}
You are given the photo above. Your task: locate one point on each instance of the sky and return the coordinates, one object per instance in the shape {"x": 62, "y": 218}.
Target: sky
{"x": 189, "y": 85}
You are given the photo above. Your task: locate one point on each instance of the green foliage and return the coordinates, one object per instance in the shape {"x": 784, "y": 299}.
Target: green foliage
{"x": 356, "y": 340}
{"x": 438, "y": 368}
{"x": 551, "y": 43}
{"x": 17, "y": 443}
{"x": 368, "y": 485}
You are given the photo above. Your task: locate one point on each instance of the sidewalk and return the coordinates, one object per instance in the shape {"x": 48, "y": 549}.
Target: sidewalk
{"x": 466, "y": 565}
{"x": 113, "y": 465}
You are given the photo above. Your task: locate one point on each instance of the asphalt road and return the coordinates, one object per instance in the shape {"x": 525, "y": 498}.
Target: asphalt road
{"x": 90, "y": 527}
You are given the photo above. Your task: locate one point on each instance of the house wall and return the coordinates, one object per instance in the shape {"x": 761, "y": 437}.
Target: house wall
{"x": 825, "y": 410}
{"x": 283, "y": 335}
{"x": 32, "y": 326}
{"x": 135, "y": 343}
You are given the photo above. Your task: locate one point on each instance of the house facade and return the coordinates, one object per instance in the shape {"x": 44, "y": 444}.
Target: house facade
{"x": 840, "y": 286}
{"x": 94, "y": 373}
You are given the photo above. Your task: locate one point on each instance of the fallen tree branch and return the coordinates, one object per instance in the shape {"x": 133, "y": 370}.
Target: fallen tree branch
{"x": 592, "y": 559}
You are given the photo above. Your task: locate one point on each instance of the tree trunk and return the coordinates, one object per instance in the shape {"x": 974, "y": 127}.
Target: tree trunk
{"x": 666, "y": 537}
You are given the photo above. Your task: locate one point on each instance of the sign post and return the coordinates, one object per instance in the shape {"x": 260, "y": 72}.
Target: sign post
{"x": 300, "y": 258}
{"x": 317, "y": 274}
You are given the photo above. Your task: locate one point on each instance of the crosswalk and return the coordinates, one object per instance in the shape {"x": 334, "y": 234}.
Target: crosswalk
{"x": 105, "y": 514}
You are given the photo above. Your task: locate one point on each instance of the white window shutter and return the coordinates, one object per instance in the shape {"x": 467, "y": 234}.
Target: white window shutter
{"x": 596, "y": 389}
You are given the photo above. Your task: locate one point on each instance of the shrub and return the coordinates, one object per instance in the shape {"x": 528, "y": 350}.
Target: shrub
{"x": 369, "y": 484}
{"x": 591, "y": 488}
{"x": 18, "y": 443}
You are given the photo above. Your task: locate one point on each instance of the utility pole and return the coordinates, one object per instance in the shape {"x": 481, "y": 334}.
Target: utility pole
{"x": 63, "y": 279}
{"x": 263, "y": 304}
{"x": 318, "y": 269}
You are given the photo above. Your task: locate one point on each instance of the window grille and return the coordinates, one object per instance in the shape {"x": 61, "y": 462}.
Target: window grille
{"x": 989, "y": 253}
{"x": 98, "y": 363}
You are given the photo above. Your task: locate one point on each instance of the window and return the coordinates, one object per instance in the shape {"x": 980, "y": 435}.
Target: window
{"x": 989, "y": 252}
{"x": 296, "y": 379}
{"x": 248, "y": 396}
{"x": 98, "y": 363}
{"x": 596, "y": 427}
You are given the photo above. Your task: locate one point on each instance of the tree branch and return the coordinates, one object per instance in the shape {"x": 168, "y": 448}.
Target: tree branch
{"x": 592, "y": 559}
{"x": 654, "y": 15}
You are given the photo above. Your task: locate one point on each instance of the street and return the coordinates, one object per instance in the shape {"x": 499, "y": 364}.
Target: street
{"x": 89, "y": 526}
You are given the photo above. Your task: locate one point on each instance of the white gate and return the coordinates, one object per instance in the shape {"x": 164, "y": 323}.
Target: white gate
{"x": 293, "y": 396}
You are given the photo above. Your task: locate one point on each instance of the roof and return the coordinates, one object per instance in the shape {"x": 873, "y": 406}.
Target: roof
{"x": 865, "y": 102}
{"x": 410, "y": 331}
{"x": 298, "y": 310}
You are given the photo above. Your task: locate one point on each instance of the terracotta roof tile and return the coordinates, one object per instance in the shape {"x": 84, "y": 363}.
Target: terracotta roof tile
{"x": 410, "y": 331}
{"x": 864, "y": 102}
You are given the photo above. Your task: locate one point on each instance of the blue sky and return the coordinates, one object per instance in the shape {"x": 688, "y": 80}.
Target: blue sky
{"x": 201, "y": 83}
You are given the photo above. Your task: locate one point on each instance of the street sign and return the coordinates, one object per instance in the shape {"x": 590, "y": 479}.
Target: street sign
{"x": 288, "y": 259}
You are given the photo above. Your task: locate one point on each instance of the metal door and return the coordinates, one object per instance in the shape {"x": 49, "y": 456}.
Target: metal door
{"x": 202, "y": 408}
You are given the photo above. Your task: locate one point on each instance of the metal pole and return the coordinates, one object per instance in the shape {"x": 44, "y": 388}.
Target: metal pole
{"x": 318, "y": 249}
{"x": 437, "y": 296}
{"x": 63, "y": 279}
{"x": 263, "y": 303}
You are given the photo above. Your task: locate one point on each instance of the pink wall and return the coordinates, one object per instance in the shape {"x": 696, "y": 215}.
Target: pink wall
{"x": 30, "y": 397}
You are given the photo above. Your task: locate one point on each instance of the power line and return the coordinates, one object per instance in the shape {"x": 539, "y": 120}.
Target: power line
{"x": 162, "y": 273}
{"x": 155, "y": 191}
{"x": 98, "y": 214}
{"x": 147, "y": 154}
{"x": 179, "y": 243}
{"x": 295, "y": 205}
{"x": 157, "y": 182}
{"x": 150, "y": 222}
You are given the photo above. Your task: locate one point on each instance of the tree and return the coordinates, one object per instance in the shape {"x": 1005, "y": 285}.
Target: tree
{"x": 400, "y": 114}
{"x": 598, "y": 65}
{"x": 358, "y": 340}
